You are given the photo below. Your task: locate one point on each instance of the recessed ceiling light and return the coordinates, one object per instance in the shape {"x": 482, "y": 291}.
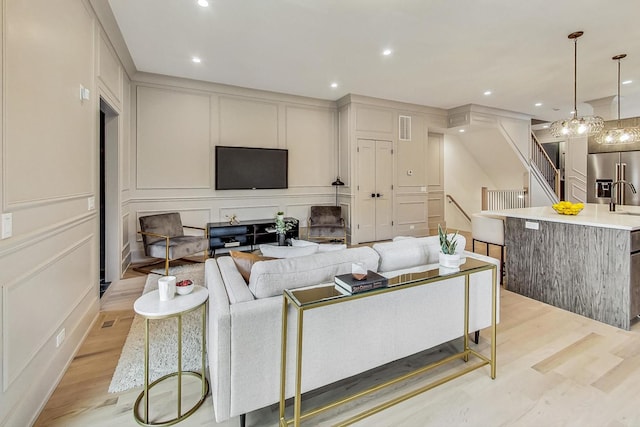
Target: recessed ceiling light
{"x": 572, "y": 112}
{"x": 545, "y": 127}
{"x": 487, "y": 92}
{"x": 538, "y": 104}
{"x": 626, "y": 82}
{"x": 387, "y": 52}
{"x": 461, "y": 131}
{"x": 196, "y": 60}
{"x": 203, "y": 3}
{"x": 334, "y": 85}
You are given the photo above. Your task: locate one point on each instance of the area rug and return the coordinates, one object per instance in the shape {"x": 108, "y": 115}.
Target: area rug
{"x": 163, "y": 337}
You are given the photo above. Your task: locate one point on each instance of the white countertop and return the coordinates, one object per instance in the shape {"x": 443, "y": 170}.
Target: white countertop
{"x": 595, "y": 215}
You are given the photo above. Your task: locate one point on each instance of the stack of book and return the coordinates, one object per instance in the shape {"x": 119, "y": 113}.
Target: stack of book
{"x": 347, "y": 284}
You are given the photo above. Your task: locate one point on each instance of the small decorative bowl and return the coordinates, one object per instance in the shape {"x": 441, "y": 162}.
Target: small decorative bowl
{"x": 184, "y": 287}
{"x": 568, "y": 208}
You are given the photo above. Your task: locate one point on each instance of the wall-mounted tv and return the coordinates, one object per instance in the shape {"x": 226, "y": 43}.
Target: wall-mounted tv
{"x": 241, "y": 168}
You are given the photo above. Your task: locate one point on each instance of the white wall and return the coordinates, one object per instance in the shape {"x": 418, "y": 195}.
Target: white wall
{"x": 464, "y": 178}
{"x": 176, "y": 126}
{"x": 48, "y": 266}
{"x": 49, "y": 170}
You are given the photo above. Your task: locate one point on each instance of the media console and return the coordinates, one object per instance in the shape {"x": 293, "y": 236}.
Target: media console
{"x": 246, "y": 234}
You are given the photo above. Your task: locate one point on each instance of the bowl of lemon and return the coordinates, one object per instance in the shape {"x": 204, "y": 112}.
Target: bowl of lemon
{"x": 568, "y": 208}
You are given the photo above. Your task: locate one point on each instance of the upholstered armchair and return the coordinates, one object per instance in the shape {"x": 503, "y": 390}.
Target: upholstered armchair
{"x": 326, "y": 223}
{"x": 163, "y": 237}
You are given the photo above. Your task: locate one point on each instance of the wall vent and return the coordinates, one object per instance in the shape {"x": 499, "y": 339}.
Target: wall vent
{"x": 404, "y": 128}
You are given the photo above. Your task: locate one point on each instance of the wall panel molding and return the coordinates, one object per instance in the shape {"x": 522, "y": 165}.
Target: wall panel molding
{"x": 109, "y": 69}
{"x": 26, "y": 204}
{"x": 48, "y": 232}
{"x": 36, "y": 339}
{"x": 412, "y": 212}
{"x": 173, "y": 149}
{"x": 163, "y": 199}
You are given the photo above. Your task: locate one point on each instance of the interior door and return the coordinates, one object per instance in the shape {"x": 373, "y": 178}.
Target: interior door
{"x": 375, "y": 190}
{"x": 384, "y": 190}
{"x": 366, "y": 190}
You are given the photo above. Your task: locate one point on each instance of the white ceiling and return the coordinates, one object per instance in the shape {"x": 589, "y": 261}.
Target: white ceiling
{"x": 446, "y": 53}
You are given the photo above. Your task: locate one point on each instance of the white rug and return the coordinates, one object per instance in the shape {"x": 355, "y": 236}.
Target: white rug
{"x": 163, "y": 337}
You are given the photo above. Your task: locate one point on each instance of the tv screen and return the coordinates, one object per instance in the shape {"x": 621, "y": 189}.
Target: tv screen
{"x": 241, "y": 168}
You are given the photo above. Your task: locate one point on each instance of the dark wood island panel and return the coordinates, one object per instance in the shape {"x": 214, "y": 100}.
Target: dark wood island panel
{"x": 589, "y": 270}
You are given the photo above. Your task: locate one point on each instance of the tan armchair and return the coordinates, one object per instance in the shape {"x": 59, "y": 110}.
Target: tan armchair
{"x": 326, "y": 223}
{"x": 163, "y": 237}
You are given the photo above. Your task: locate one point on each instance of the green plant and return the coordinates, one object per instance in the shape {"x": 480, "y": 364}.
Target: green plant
{"x": 283, "y": 226}
{"x": 447, "y": 245}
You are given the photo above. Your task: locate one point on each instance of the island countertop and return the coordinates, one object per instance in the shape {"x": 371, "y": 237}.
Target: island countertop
{"x": 595, "y": 215}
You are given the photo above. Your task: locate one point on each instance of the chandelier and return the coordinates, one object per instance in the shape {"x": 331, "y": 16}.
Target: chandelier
{"x": 576, "y": 126}
{"x": 619, "y": 134}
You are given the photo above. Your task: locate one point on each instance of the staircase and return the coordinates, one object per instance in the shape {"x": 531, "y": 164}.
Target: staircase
{"x": 543, "y": 170}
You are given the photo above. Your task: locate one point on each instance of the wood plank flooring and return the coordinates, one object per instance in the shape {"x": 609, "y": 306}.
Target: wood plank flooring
{"x": 555, "y": 368}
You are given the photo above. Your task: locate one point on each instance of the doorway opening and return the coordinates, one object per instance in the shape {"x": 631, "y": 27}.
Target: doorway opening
{"x": 108, "y": 198}
{"x": 103, "y": 278}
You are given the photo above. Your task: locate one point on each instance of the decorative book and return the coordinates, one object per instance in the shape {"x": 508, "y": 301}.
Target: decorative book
{"x": 353, "y": 286}
{"x": 231, "y": 243}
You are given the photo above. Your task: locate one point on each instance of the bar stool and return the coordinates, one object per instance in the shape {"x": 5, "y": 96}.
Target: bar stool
{"x": 490, "y": 231}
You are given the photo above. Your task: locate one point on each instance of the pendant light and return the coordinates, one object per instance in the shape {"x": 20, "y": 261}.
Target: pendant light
{"x": 619, "y": 134}
{"x": 576, "y": 126}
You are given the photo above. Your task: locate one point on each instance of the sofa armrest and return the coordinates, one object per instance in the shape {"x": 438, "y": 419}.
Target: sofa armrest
{"x": 219, "y": 340}
{"x": 237, "y": 289}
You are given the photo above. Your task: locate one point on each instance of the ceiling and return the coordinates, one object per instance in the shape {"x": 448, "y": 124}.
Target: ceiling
{"x": 445, "y": 53}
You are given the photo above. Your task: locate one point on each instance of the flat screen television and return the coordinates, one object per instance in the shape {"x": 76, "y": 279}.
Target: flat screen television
{"x": 241, "y": 168}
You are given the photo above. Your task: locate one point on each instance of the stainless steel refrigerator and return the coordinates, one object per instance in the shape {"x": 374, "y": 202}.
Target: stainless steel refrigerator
{"x": 603, "y": 169}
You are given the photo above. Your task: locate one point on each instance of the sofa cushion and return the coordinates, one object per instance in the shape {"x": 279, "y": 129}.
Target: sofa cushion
{"x": 407, "y": 253}
{"x": 325, "y": 247}
{"x": 287, "y": 251}
{"x": 244, "y": 262}
{"x": 272, "y": 278}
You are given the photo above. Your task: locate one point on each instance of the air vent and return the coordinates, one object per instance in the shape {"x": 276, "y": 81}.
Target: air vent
{"x": 404, "y": 130}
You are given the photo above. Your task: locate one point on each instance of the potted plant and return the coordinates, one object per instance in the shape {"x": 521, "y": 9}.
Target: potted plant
{"x": 448, "y": 256}
{"x": 282, "y": 227}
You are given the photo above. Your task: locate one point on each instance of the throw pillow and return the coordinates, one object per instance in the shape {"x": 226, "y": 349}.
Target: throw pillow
{"x": 395, "y": 239}
{"x": 302, "y": 243}
{"x": 329, "y": 247}
{"x": 287, "y": 251}
{"x": 324, "y": 247}
{"x": 244, "y": 261}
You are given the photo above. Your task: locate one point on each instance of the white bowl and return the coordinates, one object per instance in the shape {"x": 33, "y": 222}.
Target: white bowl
{"x": 184, "y": 290}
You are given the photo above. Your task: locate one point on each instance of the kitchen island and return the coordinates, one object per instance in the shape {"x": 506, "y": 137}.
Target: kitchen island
{"x": 588, "y": 263}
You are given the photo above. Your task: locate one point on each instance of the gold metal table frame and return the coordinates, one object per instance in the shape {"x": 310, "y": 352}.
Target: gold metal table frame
{"x": 310, "y": 298}
{"x": 144, "y": 395}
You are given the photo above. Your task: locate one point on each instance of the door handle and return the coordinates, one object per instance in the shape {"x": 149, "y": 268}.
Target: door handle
{"x": 378, "y": 195}
{"x": 373, "y": 194}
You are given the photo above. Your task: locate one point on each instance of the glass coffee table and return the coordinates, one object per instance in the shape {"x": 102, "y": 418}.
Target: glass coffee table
{"x": 305, "y": 299}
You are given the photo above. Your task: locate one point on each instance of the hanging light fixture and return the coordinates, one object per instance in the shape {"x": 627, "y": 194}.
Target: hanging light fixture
{"x": 576, "y": 126}
{"x": 619, "y": 134}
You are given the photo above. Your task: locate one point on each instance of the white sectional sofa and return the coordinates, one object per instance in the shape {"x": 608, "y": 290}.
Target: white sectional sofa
{"x": 340, "y": 340}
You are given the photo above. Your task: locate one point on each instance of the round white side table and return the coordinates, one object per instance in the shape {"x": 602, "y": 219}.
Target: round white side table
{"x": 150, "y": 307}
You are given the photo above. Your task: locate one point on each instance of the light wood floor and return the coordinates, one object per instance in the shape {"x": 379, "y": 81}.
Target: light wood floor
{"x": 555, "y": 368}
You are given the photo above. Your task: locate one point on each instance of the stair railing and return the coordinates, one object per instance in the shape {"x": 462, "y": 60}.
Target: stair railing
{"x": 541, "y": 159}
{"x": 457, "y": 205}
{"x": 503, "y": 199}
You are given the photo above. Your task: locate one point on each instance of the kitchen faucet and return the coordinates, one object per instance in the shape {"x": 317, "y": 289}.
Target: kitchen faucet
{"x": 612, "y": 205}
